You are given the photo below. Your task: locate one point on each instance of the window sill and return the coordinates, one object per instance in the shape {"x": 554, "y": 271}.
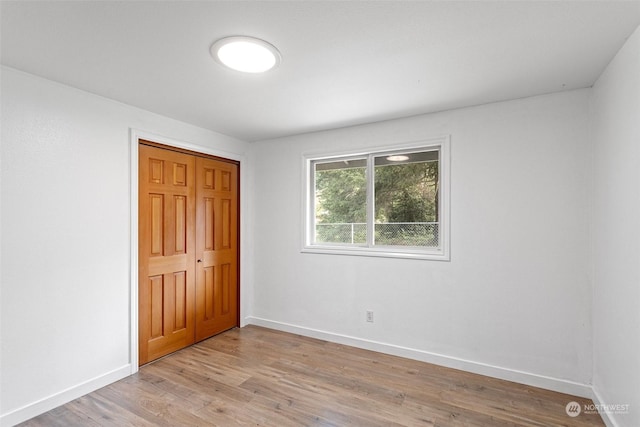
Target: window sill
{"x": 385, "y": 252}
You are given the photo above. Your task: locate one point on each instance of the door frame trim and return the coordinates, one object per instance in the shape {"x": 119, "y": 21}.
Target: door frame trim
{"x": 134, "y": 136}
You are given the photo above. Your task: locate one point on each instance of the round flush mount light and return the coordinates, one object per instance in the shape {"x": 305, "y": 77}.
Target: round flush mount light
{"x": 246, "y": 54}
{"x": 398, "y": 158}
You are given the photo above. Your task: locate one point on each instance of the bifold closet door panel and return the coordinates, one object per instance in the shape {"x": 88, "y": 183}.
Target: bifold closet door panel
{"x": 166, "y": 297}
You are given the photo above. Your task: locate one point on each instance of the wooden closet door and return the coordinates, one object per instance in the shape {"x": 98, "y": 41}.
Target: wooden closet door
{"x": 216, "y": 247}
{"x": 166, "y": 252}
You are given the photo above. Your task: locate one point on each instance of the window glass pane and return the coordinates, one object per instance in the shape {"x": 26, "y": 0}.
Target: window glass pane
{"x": 406, "y": 199}
{"x": 341, "y": 202}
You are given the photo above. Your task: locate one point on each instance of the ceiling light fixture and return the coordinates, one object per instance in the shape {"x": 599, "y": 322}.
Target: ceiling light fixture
{"x": 398, "y": 158}
{"x": 246, "y": 54}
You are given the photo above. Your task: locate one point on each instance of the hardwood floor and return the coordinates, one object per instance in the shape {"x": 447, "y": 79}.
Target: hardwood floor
{"x": 260, "y": 377}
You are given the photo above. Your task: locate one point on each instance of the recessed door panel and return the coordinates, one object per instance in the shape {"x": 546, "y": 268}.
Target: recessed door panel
{"x": 156, "y": 215}
{"x": 209, "y": 292}
{"x": 209, "y": 221}
{"x": 226, "y": 228}
{"x": 156, "y": 313}
{"x": 180, "y": 300}
{"x": 180, "y": 222}
{"x": 180, "y": 174}
{"x": 225, "y": 288}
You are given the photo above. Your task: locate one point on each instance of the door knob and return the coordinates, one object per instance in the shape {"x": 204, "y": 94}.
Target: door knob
{"x": 199, "y": 260}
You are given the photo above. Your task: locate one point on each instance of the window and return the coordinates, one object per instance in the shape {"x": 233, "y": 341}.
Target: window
{"x": 391, "y": 201}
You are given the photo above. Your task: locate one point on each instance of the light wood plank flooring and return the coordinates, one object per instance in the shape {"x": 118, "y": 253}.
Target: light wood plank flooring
{"x": 259, "y": 377}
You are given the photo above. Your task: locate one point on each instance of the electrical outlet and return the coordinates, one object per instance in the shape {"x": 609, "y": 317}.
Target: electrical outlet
{"x": 369, "y": 316}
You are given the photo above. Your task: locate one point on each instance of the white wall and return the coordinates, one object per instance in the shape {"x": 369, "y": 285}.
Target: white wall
{"x": 514, "y": 301}
{"x": 65, "y": 238}
{"x": 616, "y": 231}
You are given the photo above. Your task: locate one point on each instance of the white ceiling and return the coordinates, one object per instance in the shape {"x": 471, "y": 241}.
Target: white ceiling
{"x": 344, "y": 63}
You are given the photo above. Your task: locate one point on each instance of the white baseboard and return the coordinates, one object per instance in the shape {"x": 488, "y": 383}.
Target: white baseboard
{"x": 43, "y": 405}
{"x": 535, "y": 380}
{"x": 606, "y": 417}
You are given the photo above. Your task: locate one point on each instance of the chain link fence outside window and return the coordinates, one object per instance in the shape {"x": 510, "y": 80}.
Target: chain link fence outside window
{"x": 386, "y": 234}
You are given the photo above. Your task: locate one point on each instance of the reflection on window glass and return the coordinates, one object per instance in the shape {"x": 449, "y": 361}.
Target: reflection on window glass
{"x": 406, "y": 199}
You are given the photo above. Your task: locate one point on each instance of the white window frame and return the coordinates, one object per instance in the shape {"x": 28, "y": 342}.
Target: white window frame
{"x": 441, "y": 253}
